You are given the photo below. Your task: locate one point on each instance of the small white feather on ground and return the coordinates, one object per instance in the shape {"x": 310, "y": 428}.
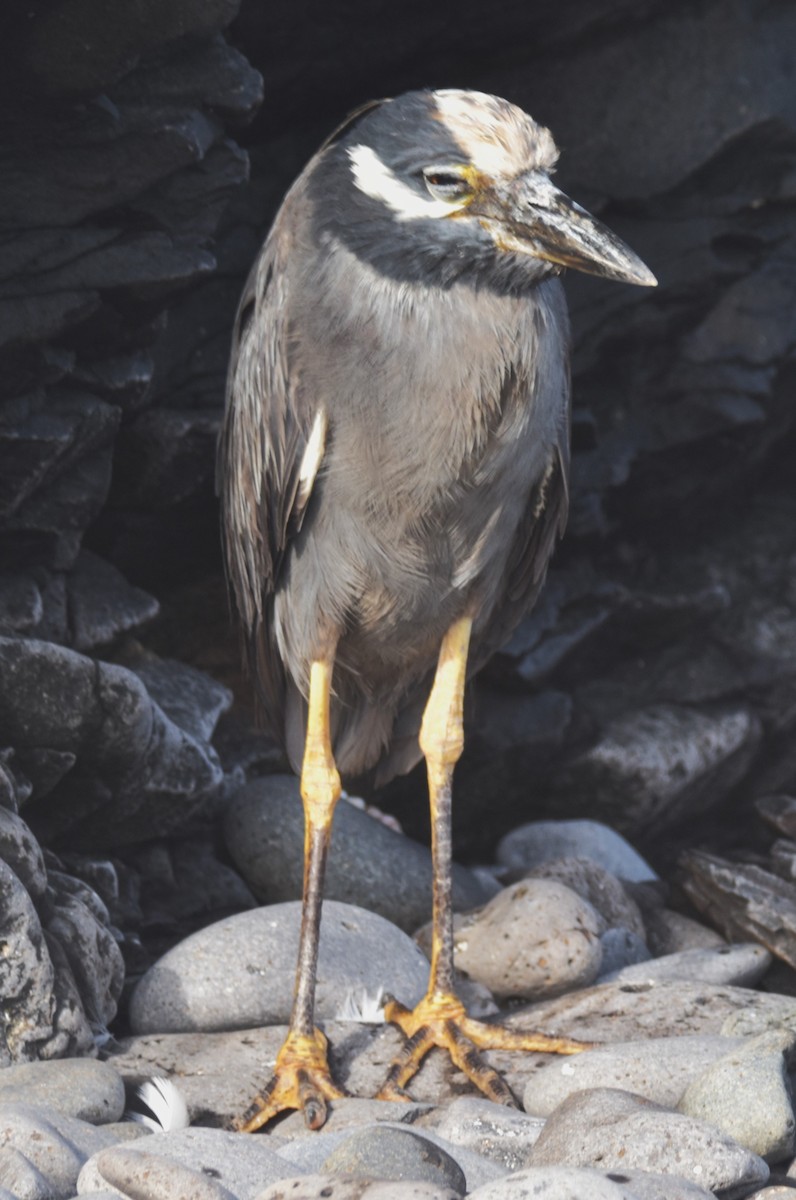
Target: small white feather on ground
{"x": 166, "y": 1104}
{"x": 363, "y": 1006}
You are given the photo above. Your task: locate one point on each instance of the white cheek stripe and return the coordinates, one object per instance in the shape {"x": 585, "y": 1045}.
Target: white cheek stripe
{"x": 375, "y": 179}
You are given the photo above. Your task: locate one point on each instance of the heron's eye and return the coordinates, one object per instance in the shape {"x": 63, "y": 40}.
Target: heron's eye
{"x": 446, "y": 185}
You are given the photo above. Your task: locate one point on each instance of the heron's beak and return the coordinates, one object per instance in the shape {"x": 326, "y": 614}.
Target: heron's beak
{"x": 536, "y": 218}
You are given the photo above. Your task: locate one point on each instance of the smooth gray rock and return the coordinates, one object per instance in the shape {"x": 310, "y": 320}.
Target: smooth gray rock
{"x": 106, "y": 1194}
{"x": 616, "y": 1012}
{"x": 659, "y": 1069}
{"x": 601, "y": 888}
{"x": 369, "y": 865}
{"x": 238, "y": 1165}
{"x": 387, "y": 1152}
{"x": 668, "y": 932}
{"x": 618, "y": 1131}
{"x": 77, "y": 1087}
{"x": 553, "y": 1183}
{"x": 501, "y": 1134}
{"x": 310, "y": 1152}
{"x": 240, "y": 972}
{"x": 352, "y": 1112}
{"x": 535, "y": 938}
{"x": 142, "y": 1175}
{"x": 55, "y": 1145}
{"x": 126, "y": 1131}
{"x": 540, "y": 841}
{"x": 331, "y": 1187}
{"x": 621, "y": 948}
{"x": 221, "y": 1072}
{"x": 752, "y": 1021}
{"x": 747, "y": 1095}
{"x": 585, "y": 1183}
{"x": 644, "y": 1185}
{"x": 475, "y": 996}
{"x": 741, "y": 964}
{"x": 21, "y": 1180}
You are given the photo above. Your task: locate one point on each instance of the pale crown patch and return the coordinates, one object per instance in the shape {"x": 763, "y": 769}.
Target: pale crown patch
{"x": 498, "y": 138}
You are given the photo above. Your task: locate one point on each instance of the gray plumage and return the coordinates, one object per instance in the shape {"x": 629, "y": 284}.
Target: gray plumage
{"x": 396, "y": 443}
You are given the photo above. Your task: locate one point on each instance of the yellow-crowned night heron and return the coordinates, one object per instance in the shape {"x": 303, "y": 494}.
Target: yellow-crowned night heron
{"x": 394, "y": 476}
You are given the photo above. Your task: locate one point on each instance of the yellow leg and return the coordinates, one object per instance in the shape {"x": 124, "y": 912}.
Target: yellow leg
{"x": 440, "y": 1018}
{"x": 302, "y": 1078}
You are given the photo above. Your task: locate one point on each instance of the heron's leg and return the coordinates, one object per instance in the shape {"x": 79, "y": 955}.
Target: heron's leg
{"x": 440, "y": 1018}
{"x": 302, "y": 1078}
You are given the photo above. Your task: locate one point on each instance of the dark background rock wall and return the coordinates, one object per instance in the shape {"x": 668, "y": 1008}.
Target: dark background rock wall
{"x": 144, "y": 150}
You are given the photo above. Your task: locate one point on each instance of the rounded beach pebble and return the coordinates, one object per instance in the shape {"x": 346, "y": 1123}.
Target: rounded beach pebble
{"x": 535, "y": 939}
{"x": 369, "y": 865}
{"x": 389, "y": 1153}
{"x": 747, "y": 1095}
{"x": 741, "y": 964}
{"x": 660, "y": 1069}
{"x": 240, "y": 972}
{"x": 617, "y": 1131}
{"x": 540, "y": 841}
{"x": 238, "y": 1165}
{"x": 330, "y": 1187}
{"x": 77, "y": 1087}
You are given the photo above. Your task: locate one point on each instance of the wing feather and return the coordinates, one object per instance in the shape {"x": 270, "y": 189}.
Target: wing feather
{"x": 271, "y": 444}
{"x": 543, "y": 523}
{"x": 265, "y": 474}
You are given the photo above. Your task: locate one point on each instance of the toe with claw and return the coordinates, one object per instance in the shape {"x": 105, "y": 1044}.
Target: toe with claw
{"x": 440, "y": 1019}
{"x": 301, "y": 1080}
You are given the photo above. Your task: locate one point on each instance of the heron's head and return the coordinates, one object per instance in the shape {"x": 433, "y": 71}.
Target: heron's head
{"x": 436, "y": 186}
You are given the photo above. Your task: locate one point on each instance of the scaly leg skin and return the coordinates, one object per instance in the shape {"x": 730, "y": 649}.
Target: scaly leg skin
{"x": 302, "y": 1078}
{"x": 440, "y": 1018}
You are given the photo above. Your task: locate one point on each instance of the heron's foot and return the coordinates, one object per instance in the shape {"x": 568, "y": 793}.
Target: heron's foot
{"x": 440, "y": 1019}
{"x": 301, "y": 1080}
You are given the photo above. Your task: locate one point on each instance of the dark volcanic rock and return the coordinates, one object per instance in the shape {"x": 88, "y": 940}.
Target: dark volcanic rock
{"x": 86, "y": 607}
{"x": 20, "y": 851}
{"x": 42, "y": 1012}
{"x": 79, "y": 922}
{"x": 105, "y": 745}
{"x": 650, "y": 767}
{"x": 27, "y": 972}
{"x": 744, "y": 900}
{"x": 117, "y": 169}
{"x": 67, "y": 54}
{"x": 103, "y": 604}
